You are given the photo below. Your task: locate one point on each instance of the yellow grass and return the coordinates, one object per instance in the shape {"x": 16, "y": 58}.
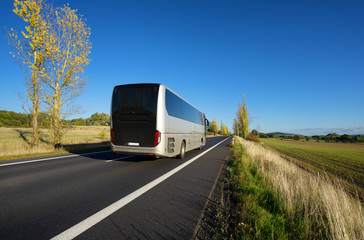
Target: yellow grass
{"x": 86, "y": 134}
{"x": 16, "y": 141}
{"x": 316, "y": 197}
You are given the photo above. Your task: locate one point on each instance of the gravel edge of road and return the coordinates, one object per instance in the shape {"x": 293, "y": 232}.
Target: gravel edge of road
{"x": 208, "y": 222}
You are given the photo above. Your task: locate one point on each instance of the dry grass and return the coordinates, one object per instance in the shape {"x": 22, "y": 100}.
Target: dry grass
{"x": 342, "y": 162}
{"x": 210, "y": 134}
{"x": 323, "y": 204}
{"x": 17, "y": 141}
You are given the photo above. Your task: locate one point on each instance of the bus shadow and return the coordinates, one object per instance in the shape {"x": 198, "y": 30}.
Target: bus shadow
{"x": 85, "y": 148}
{"x": 114, "y": 157}
{"x": 133, "y": 158}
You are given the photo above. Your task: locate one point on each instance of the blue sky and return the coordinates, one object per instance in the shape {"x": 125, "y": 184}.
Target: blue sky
{"x": 299, "y": 63}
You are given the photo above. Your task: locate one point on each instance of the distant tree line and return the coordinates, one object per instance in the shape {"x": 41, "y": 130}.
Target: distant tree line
{"x": 13, "y": 119}
{"x": 334, "y": 137}
{"x": 96, "y": 119}
{"x": 214, "y": 128}
{"x": 331, "y": 137}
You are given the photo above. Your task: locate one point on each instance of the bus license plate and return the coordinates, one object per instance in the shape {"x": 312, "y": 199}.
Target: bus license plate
{"x": 133, "y": 144}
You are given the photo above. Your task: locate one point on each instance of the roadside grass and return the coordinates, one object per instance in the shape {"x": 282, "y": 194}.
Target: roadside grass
{"x": 272, "y": 198}
{"x": 293, "y": 203}
{"x": 16, "y": 142}
{"x": 210, "y": 134}
{"x": 258, "y": 211}
{"x": 339, "y": 161}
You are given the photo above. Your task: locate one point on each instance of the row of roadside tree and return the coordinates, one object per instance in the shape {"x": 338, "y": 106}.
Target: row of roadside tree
{"x": 214, "y": 128}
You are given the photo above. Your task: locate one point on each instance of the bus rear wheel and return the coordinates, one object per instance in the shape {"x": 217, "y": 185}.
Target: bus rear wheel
{"x": 200, "y": 148}
{"x": 183, "y": 150}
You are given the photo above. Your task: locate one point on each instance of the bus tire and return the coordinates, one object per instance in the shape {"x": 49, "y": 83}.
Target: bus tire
{"x": 183, "y": 150}
{"x": 200, "y": 148}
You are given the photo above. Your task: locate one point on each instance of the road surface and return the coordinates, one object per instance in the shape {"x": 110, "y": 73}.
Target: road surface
{"x": 107, "y": 196}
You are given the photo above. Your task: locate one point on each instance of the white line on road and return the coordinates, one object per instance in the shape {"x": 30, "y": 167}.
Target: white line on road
{"x": 118, "y": 158}
{"x": 52, "y": 158}
{"x": 104, "y": 213}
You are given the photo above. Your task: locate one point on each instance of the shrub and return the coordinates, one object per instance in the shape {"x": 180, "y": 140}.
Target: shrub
{"x": 297, "y": 137}
{"x": 263, "y": 135}
{"x": 102, "y": 134}
{"x": 252, "y": 137}
{"x": 255, "y": 132}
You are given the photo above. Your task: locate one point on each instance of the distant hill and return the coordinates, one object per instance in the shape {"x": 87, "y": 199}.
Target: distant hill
{"x": 283, "y": 134}
{"x": 325, "y": 131}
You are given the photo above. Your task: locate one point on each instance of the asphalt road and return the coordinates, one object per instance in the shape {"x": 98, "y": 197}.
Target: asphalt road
{"x": 107, "y": 196}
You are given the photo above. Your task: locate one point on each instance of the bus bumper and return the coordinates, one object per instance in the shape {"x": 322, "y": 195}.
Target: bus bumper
{"x": 144, "y": 151}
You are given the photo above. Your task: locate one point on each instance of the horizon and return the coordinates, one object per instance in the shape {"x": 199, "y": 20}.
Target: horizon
{"x": 324, "y": 131}
{"x": 300, "y": 64}
{"x": 305, "y": 132}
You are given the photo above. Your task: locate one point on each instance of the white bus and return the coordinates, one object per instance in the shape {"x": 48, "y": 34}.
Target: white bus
{"x": 150, "y": 119}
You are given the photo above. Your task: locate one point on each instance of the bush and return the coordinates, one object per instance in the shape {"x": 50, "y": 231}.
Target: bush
{"x": 272, "y": 135}
{"x": 252, "y": 137}
{"x": 263, "y": 135}
{"x": 255, "y": 132}
{"x": 297, "y": 137}
{"x": 102, "y": 134}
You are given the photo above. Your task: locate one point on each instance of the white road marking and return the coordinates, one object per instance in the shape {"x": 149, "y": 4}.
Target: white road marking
{"x": 118, "y": 159}
{"x": 52, "y": 158}
{"x": 104, "y": 213}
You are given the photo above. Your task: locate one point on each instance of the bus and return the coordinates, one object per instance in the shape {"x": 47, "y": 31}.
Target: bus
{"x": 151, "y": 119}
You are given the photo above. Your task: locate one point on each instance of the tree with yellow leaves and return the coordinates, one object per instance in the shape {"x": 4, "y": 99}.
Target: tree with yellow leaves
{"x": 223, "y": 129}
{"x": 214, "y": 126}
{"x": 242, "y": 123}
{"x": 31, "y": 53}
{"x": 53, "y": 53}
{"x": 236, "y": 127}
{"x": 69, "y": 47}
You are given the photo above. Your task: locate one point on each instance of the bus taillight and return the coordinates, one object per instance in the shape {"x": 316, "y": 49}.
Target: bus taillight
{"x": 112, "y": 136}
{"x": 157, "y": 138}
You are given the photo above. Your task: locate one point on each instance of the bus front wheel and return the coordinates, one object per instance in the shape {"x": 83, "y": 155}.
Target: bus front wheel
{"x": 183, "y": 150}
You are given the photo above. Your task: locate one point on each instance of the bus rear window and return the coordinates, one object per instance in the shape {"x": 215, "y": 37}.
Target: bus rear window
{"x": 139, "y": 99}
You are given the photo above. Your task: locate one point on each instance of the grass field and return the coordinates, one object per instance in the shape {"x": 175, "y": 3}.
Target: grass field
{"x": 308, "y": 207}
{"x": 342, "y": 160}
{"x": 16, "y": 141}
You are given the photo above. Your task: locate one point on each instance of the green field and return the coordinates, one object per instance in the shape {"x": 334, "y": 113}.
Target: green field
{"x": 342, "y": 160}
{"x": 17, "y": 141}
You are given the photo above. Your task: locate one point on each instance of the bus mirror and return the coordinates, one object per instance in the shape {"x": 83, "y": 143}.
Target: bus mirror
{"x": 207, "y": 123}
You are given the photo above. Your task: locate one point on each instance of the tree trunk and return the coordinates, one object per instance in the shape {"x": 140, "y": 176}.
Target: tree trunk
{"x": 56, "y": 121}
{"x": 35, "y": 143}
{"x": 35, "y": 97}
